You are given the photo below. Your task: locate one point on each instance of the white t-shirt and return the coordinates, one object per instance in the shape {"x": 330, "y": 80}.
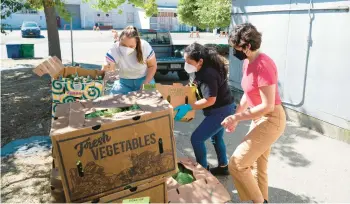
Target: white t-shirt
{"x": 129, "y": 67}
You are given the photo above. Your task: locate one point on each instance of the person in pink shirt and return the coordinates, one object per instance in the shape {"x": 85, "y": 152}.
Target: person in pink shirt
{"x": 260, "y": 103}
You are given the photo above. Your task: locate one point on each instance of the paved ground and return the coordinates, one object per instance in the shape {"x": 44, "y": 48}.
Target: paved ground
{"x": 304, "y": 165}
{"x": 90, "y": 46}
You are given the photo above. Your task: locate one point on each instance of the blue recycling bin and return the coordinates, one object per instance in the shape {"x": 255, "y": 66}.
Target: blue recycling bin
{"x": 13, "y": 50}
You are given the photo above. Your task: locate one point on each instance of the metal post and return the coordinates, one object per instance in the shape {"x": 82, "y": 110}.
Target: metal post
{"x": 71, "y": 40}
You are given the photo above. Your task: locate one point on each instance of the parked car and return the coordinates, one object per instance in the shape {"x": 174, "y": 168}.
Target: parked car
{"x": 29, "y": 29}
{"x": 169, "y": 56}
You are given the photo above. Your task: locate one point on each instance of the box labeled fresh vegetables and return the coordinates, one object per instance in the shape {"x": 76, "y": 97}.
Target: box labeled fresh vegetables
{"x": 70, "y": 84}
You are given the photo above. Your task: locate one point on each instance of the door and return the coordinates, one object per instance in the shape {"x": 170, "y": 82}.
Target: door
{"x": 74, "y": 10}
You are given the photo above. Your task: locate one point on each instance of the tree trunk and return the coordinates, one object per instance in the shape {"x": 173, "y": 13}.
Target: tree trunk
{"x": 52, "y": 30}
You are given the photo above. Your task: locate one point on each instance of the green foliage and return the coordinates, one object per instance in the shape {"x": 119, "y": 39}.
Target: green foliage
{"x": 205, "y": 13}
{"x": 187, "y": 12}
{"x": 58, "y": 4}
{"x": 150, "y": 6}
{"x": 7, "y": 8}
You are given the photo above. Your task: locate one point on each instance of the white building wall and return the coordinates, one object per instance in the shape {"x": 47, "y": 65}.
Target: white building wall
{"x": 313, "y": 78}
{"x": 167, "y": 2}
{"x": 88, "y": 16}
{"x": 16, "y": 19}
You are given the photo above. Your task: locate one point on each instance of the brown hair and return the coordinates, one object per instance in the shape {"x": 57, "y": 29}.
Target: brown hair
{"x": 246, "y": 33}
{"x": 132, "y": 32}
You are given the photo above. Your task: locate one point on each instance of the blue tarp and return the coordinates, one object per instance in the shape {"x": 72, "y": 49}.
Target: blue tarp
{"x": 15, "y": 145}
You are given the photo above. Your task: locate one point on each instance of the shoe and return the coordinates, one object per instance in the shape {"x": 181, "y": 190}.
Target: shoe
{"x": 265, "y": 201}
{"x": 220, "y": 171}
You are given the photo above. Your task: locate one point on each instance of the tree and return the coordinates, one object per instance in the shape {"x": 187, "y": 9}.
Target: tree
{"x": 187, "y": 13}
{"x": 51, "y": 6}
{"x": 214, "y": 13}
{"x": 150, "y": 6}
{"x": 205, "y": 13}
{"x": 7, "y": 8}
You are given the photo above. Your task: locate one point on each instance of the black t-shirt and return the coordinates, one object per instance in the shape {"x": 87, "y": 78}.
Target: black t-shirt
{"x": 211, "y": 84}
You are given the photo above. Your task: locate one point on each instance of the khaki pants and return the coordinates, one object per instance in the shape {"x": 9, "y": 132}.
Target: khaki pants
{"x": 248, "y": 164}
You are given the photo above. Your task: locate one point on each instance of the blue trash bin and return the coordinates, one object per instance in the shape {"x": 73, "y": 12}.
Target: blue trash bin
{"x": 13, "y": 50}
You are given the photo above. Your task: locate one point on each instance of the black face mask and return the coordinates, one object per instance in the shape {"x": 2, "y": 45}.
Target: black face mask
{"x": 239, "y": 54}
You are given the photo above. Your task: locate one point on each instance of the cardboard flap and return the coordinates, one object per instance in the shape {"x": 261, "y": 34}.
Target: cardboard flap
{"x": 72, "y": 115}
{"x": 76, "y": 115}
{"x": 205, "y": 189}
{"x": 51, "y": 66}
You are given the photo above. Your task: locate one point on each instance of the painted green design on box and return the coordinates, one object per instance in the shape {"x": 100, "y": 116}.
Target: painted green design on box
{"x": 68, "y": 99}
{"x": 92, "y": 93}
{"x": 54, "y": 106}
{"x": 57, "y": 87}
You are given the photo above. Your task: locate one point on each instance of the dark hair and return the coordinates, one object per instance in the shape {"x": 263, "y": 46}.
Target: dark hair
{"x": 246, "y": 33}
{"x": 211, "y": 59}
{"x": 132, "y": 32}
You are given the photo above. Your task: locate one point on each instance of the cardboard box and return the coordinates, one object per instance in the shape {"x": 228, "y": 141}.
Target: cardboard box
{"x": 153, "y": 192}
{"x": 205, "y": 189}
{"x": 177, "y": 94}
{"x": 65, "y": 91}
{"x": 57, "y": 192}
{"x": 99, "y": 156}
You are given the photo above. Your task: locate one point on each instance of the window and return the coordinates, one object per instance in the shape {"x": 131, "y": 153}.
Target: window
{"x": 30, "y": 25}
{"x": 130, "y": 17}
{"x": 163, "y": 38}
{"x": 149, "y": 37}
{"x": 28, "y": 11}
{"x": 156, "y": 38}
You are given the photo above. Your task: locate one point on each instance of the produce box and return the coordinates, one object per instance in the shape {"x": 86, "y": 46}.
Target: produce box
{"x": 104, "y": 145}
{"x": 195, "y": 184}
{"x": 177, "y": 94}
{"x": 152, "y": 192}
{"x": 70, "y": 84}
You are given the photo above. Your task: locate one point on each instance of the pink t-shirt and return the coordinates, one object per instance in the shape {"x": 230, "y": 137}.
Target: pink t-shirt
{"x": 262, "y": 72}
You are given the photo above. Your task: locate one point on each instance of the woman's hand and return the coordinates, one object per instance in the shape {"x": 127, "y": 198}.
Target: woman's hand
{"x": 182, "y": 110}
{"x": 230, "y": 123}
{"x": 107, "y": 68}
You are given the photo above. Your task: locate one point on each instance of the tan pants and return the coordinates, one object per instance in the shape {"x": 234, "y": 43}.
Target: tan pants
{"x": 248, "y": 164}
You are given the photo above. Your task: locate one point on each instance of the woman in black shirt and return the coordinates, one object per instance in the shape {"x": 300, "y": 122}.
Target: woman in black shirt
{"x": 216, "y": 101}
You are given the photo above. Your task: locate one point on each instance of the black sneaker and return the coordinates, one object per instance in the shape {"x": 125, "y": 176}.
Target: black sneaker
{"x": 265, "y": 201}
{"x": 220, "y": 171}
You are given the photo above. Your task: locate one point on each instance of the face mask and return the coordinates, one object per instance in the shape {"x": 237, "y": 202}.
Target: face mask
{"x": 239, "y": 54}
{"x": 189, "y": 68}
{"x": 126, "y": 50}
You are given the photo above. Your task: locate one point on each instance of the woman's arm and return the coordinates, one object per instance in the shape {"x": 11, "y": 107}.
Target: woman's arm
{"x": 203, "y": 103}
{"x": 110, "y": 67}
{"x": 151, "y": 69}
{"x": 267, "y": 105}
{"x": 243, "y": 105}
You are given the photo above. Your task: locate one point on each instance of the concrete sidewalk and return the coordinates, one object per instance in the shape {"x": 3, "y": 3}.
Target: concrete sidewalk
{"x": 304, "y": 165}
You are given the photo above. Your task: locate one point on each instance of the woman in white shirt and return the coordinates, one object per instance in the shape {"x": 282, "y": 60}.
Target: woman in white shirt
{"x": 135, "y": 60}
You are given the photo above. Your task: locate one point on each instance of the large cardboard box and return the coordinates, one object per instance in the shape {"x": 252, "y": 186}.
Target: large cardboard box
{"x": 152, "y": 192}
{"x": 205, "y": 189}
{"x": 177, "y": 94}
{"x": 101, "y": 155}
{"x": 66, "y": 91}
